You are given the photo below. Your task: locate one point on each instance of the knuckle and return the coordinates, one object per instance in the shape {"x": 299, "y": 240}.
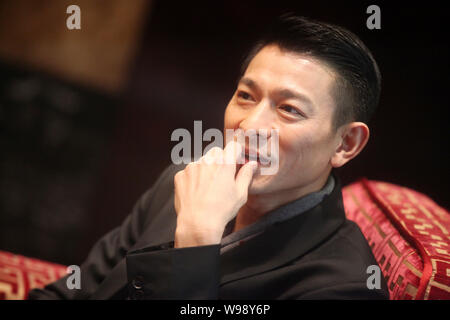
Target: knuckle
{"x": 178, "y": 176}
{"x": 215, "y": 150}
{"x": 202, "y": 159}
{"x": 189, "y": 167}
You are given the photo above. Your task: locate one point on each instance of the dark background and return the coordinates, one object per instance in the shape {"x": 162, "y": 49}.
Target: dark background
{"x": 59, "y": 195}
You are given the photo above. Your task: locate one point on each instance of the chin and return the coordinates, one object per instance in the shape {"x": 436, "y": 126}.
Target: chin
{"x": 260, "y": 184}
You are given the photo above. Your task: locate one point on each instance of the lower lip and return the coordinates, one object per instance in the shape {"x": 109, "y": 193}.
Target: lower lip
{"x": 246, "y": 160}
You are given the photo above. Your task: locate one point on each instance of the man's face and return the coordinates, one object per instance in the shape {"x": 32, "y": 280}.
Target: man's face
{"x": 292, "y": 93}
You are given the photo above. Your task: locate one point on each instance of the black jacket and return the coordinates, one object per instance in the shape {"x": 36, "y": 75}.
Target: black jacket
{"x": 316, "y": 255}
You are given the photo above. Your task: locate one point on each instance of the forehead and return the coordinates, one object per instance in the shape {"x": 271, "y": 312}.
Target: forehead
{"x": 274, "y": 68}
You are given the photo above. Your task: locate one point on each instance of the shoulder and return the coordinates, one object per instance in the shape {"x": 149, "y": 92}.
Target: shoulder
{"x": 157, "y": 198}
{"x": 347, "y": 252}
{"x": 163, "y": 187}
{"x": 339, "y": 267}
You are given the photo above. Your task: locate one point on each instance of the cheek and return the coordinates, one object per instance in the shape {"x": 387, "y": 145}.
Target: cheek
{"x": 291, "y": 145}
{"x": 302, "y": 148}
{"x": 231, "y": 118}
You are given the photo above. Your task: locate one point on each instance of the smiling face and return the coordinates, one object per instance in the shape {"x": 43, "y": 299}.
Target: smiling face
{"x": 292, "y": 93}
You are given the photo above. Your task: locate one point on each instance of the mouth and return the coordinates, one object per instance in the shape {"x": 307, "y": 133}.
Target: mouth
{"x": 251, "y": 155}
{"x": 248, "y": 158}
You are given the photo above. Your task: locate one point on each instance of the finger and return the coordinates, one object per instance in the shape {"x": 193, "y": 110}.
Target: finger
{"x": 214, "y": 155}
{"x": 245, "y": 176}
{"x": 232, "y": 152}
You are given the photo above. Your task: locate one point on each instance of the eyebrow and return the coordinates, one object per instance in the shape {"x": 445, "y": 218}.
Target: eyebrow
{"x": 284, "y": 93}
{"x": 249, "y": 83}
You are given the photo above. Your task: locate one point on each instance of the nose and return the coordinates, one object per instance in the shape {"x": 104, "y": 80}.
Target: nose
{"x": 259, "y": 117}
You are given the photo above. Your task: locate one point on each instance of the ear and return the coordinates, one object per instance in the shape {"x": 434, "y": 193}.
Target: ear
{"x": 353, "y": 138}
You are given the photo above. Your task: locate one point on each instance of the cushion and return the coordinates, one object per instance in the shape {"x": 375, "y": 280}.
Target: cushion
{"x": 408, "y": 234}
{"x": 19, "y": 274}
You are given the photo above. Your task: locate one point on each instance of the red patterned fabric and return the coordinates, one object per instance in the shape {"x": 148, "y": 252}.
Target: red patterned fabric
{"x": 19, "y": 274}
{"x": 408, "y": 234}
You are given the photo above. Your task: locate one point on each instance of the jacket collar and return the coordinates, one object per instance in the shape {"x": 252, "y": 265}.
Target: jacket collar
{"x": 285, "y": 241}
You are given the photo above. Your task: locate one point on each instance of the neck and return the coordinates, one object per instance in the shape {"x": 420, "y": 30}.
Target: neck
{"x": 258, "y": 205}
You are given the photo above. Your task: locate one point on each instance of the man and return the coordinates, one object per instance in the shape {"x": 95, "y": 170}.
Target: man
{"x": 222, "y": 230}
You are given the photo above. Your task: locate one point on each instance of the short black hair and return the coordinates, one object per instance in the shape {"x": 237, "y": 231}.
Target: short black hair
{"x": 358, "y": 84}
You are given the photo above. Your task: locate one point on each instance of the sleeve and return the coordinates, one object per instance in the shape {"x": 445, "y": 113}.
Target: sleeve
{"x": 107, "y": 252}
{"x": 174, "y": 273}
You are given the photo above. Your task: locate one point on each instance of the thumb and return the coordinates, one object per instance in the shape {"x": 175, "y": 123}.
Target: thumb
{"x": 245, "y": 176}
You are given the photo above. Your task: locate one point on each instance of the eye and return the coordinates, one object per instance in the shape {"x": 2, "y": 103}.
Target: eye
{"x": 290, "y": 110}
{"x": 244, "y": 95}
